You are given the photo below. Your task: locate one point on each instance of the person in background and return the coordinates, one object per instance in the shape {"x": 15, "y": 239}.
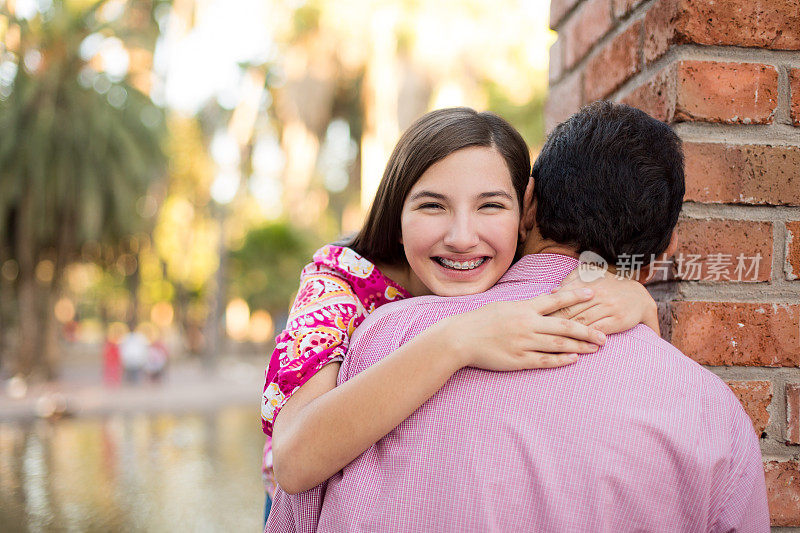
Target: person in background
{"x": 157, "y": 358}
{"x": 112, "y": 365}
{"x": 133, "y": 351}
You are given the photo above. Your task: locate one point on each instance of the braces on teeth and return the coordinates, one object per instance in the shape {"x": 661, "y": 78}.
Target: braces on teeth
{"x": 467, "y": 265}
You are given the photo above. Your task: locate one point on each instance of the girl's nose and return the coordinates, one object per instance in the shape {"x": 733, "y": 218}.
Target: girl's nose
{"x": 461, "y": 235}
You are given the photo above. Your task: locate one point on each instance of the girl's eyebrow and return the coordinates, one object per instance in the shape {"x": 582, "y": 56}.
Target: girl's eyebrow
{"x": 427, "y": 194}
{"x": 439, "y": 196}
{"x": 492, "y": 194}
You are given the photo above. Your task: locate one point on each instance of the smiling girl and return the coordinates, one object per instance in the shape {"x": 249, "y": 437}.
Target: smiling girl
{"x": 445, "y": 221}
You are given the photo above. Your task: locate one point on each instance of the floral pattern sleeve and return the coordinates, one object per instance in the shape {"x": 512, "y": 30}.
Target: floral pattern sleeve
{"x": 337, "y": 291}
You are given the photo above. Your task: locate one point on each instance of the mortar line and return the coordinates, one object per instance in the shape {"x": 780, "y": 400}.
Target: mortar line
{"x": 775, "y": 134}
{"x": 782, "y": 114}
{"x": 760, "y": 213}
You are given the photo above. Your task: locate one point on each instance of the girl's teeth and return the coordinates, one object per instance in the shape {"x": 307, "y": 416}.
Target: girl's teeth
{"x": 461, "y": 265}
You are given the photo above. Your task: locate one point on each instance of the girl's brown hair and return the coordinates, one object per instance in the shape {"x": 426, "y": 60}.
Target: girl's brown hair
{"x": 430, "y": 138}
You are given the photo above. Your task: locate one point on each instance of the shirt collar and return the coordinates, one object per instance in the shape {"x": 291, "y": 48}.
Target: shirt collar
{"x": 541, "y": 268}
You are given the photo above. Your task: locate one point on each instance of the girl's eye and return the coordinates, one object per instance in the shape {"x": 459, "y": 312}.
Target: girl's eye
{"x": 493, "y": 205}
{"x": 431, "y": 205}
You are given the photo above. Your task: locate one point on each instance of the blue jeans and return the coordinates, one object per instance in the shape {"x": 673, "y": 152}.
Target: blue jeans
{"x": 267, "y": 507}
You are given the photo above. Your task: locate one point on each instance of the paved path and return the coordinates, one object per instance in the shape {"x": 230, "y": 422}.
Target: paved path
{"x": 186, "y": 388}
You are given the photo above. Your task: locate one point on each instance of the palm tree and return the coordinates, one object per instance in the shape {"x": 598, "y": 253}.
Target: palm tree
{"x": 78, "y": 151}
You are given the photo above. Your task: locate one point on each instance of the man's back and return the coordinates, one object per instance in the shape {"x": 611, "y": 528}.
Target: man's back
{"x": 636, "y": 436}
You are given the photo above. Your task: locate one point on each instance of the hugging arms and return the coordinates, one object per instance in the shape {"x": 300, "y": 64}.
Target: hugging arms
{"x": 446, "y": 220}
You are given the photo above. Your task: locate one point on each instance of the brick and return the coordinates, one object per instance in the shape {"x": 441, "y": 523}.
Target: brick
{"x": 734, "y": 333}
{"x": 774, "y": 25}
{"x": 589, "y": 23}
{"x": 623, "y": 7}
{"x": 755, "y": 397}
{"x": 793, "y": 413}
{"x": 564, "y": 100}
{"x": 558, "y": 10}
{"x": 791, "y": 267}
{"x": 794, "y": 89}
{"x": 656, "y": 96}
{"x": 742, "y": 174}
{"x": 660, "y": 29}
{"x": 710, "y": 91}
{"x": 710, "y": 250}
{"x": 556, "y": 62}
{"x": 783, "y": 492}
{"x": 613, "y": 65}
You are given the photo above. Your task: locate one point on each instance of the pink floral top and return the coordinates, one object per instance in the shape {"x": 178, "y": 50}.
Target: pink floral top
{"x": 338, "y": 289}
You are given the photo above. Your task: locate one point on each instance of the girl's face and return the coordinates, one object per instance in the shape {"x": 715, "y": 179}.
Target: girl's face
{"x": 460, "y": 222}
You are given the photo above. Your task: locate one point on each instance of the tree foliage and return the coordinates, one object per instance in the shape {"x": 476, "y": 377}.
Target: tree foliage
{"x": 84, "y": 152}
{"x": 261, "y": 270}
{"x": 82, "y": 148}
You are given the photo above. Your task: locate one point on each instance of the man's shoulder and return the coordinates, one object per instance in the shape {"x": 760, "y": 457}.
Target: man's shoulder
{"x": 658, "y": 357}
{"x": 643, "y": 338}
{"x": 405, "y": 313}
{"x": 390, "y": 312}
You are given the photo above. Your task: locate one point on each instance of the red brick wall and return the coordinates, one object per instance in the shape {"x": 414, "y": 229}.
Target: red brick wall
{"x": 726, "y": 75}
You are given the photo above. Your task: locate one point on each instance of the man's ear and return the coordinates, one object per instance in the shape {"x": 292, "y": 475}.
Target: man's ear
{"x": 528, "y": 215}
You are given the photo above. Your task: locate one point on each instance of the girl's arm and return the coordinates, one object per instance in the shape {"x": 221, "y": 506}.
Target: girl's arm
{"x": 321, "y": 428}
{"x": 619, "y": 303}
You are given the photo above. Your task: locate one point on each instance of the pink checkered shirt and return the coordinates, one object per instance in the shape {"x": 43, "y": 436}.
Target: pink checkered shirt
{"x": 634, "y": 437}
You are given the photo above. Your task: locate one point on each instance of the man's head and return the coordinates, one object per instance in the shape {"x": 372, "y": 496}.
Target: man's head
{"x": 609, "y": 180}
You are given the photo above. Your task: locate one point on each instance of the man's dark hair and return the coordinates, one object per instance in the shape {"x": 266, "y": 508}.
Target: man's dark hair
{"x": 610, "y": 180}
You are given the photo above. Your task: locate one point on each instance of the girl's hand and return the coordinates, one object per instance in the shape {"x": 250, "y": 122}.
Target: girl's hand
{"x": 518, "y": 335}
{"x": 619, "y": 303}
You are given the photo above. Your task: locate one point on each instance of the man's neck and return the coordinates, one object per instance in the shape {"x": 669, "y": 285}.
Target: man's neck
{"x": 549, "y": 247}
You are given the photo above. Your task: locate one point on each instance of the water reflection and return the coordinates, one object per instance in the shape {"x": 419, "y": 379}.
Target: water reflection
{"x": 133, "y": 473}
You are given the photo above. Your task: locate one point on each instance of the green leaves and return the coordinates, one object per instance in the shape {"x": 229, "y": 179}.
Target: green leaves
{"x": 270, "y": 255}
{"x": 83, "y": 159}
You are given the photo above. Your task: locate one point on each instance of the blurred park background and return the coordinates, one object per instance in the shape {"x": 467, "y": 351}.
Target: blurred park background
{"x": 166, "y": 169}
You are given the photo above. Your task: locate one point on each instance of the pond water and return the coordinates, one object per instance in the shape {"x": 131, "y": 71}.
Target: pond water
{"x": 155, "y": 472}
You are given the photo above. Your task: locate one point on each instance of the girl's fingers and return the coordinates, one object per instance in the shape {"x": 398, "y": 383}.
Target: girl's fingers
{"x": 547, "y": 303}
{"x": 566, "y": 328}
{"x": 572, "y": 311}
{"x": 574, "y": 275}
{"x": 608, "y": 325}
{"x": 558, "y": 344}
{"x": 546, "y": 360}
{"x": 592, "y": 274}
{"x": 591, "y": 315}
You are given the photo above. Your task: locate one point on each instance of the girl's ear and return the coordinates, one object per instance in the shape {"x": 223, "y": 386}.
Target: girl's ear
{"x": 528, "y": 216}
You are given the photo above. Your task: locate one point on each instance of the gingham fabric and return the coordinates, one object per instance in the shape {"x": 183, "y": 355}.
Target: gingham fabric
{"x": 636, "y": 437}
